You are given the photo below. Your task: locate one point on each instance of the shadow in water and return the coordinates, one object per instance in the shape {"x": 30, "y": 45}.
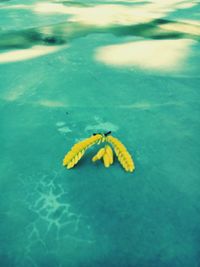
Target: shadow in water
{"x": 59, "y": 34}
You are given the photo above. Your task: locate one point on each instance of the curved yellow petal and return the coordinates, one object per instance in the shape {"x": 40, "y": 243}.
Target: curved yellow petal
{"x": 109, "y": 153}
{"x": 78, "y": 150}
{"x": 70, "y": 165}
{"x": 106, "y": 160}
{"x": 123, "y": 155}
{"x": 99, "y": 155}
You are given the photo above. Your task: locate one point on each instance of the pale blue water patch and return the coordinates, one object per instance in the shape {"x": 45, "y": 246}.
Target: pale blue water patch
{"x": 19, "y": 15}
{"x": 190, "y": 13}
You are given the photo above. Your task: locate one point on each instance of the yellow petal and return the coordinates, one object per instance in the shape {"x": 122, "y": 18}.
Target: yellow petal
{"x": 99, "y": 155}
{"x": 109, "y": 153}
{"x": 106, "y": 160}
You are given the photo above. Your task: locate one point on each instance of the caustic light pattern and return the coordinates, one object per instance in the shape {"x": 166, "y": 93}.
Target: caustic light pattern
{"x": 105, "y": 153}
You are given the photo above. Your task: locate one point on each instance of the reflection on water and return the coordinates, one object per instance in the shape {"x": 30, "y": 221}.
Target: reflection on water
{"x": 28, "y": 53}
{"x": 160, "y": 55}
{"x": 144, "y": 21}
{"x": 64, "y": 32}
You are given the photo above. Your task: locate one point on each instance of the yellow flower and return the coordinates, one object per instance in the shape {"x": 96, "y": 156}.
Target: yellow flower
{"x": 107, "y": 154}
{"x": 122, "y": 154}
{"x": 99, "y": 155}
{"x": 78, "y": 150}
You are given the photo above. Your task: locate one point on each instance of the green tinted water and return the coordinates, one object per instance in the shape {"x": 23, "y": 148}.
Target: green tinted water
{"x": 60, "y": 81}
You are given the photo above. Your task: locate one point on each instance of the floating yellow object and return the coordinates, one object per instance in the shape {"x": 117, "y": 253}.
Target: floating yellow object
{"x": 105, "y": 153}
{"x": 122, "y": 154}
{"x": 109, "y": 152}
{"x": 99, "y": 155}
{"x": 78, "y": 150}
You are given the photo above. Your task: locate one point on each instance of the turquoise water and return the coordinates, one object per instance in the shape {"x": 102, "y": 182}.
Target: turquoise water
{"x": 69, "y": 69}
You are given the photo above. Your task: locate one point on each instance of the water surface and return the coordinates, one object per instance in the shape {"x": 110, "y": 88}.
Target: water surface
{"x": 71, "y": 68}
